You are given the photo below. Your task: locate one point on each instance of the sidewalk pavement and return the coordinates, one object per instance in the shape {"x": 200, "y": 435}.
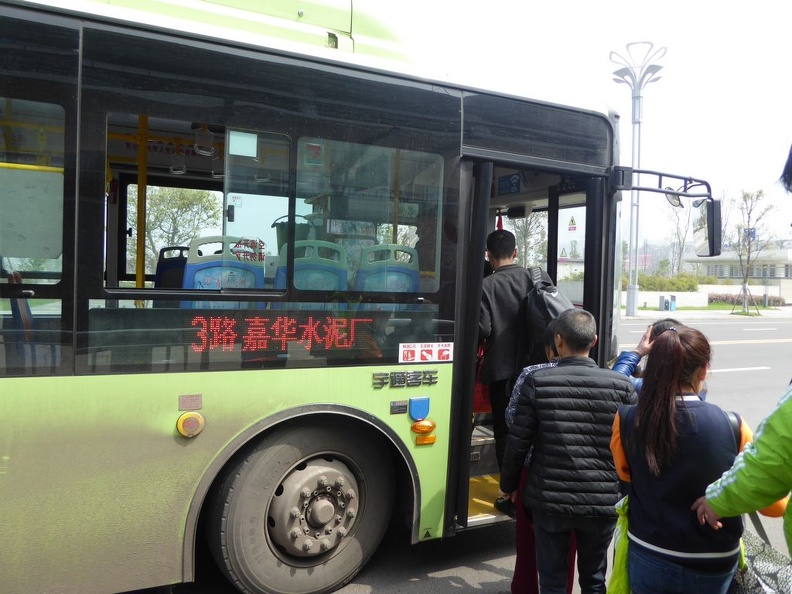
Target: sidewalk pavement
{"x": 697, "y": 314}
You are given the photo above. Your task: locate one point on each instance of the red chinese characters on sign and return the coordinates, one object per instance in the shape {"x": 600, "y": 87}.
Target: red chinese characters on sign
{"x": 284, "y": 330}
{"x": 214, "y": 333}
{"x": 250, "y": 250}
{"x": 274, "y": 333}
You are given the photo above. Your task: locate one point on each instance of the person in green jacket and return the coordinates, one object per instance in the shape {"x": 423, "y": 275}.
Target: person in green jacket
{"x": 761, "y": 474}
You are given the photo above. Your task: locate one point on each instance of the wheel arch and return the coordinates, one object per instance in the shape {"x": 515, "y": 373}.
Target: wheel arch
{"x": 403, "y": 466}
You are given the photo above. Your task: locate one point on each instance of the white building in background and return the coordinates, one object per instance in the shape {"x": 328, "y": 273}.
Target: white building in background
{"x": 773, "y": 267}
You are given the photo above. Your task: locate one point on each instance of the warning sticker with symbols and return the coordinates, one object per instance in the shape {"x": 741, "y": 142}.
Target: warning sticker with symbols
{"x": 426, "y": 352}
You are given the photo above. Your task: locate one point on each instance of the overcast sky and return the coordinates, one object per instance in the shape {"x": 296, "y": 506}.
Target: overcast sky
{"x": 722, "y": 110}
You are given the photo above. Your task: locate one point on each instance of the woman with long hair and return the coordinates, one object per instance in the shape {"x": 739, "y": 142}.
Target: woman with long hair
{"x": 669, "y": 447}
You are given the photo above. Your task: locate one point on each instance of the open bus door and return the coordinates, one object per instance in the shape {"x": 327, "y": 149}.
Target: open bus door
{"x": 569, "y": 201}
{"x": 557, "y": 199}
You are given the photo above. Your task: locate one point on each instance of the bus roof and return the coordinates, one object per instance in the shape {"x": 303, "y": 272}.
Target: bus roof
{"x": 338, "y": 32}
{"x": 324, "y": 28}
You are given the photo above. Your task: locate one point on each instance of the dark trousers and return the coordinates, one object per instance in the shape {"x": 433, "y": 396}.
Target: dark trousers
{"x": 526, "y": 576}
{"x": 593, "y": 536}
{"x": 499, "y": 394}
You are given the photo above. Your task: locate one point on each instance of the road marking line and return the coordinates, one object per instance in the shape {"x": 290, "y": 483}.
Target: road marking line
{"x": 740, "y": 369}
{"x": 756, "y": 341}
{"x": 757, "y": 329}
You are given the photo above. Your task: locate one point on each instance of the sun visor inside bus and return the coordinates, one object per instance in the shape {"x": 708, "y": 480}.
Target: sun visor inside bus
{"x": 27, "y": 201}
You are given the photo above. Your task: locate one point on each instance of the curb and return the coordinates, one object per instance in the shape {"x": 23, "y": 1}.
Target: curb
{"x": 779, "y": 312}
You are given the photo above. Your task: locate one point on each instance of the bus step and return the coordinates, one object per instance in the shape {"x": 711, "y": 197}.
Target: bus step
{"x": 482, "y": 493}
{"x": 482, "y": 452}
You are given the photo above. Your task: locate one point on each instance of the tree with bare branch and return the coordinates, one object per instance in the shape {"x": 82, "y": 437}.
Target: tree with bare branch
{"x": 681, "y": 220}
{"x": 749, "y": 235}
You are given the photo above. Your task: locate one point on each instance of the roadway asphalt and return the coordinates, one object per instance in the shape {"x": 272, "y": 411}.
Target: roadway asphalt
{"x": 697, "y": 314}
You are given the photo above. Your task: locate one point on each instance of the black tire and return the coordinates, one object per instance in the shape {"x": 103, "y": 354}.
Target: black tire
{"x": 303, "y": 511}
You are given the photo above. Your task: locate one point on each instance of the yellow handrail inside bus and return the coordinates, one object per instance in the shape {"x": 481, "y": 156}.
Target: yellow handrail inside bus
{"x": 44, "y": 168}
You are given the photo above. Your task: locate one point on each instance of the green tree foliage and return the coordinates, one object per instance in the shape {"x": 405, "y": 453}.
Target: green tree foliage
{"x": 681, "y": 283}
{"x": 661, "y": 282}
{"x": 531, "y": 236}
{"x": 574, "y": 252}
{"x": 174, "y": 216}
{"x": 664, "y": 267}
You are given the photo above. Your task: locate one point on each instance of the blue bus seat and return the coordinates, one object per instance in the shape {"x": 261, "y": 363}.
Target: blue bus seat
{"x": 388, "y": 268}
{"x": 170, "y": 271}
{"x": 25, "y": 349}
{"x": 23, "y": 329}
{"x": 221, "y": 262}
{"x": 318, "y": 266}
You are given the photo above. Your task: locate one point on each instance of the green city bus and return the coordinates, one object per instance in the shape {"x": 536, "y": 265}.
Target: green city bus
{"x": 240, "y": 292}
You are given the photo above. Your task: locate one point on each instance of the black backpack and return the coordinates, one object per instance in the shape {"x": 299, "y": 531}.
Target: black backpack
{"x": 543, "y": 303}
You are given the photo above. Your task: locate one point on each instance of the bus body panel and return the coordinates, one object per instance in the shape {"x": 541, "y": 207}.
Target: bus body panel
{"x": 78, "y": 449}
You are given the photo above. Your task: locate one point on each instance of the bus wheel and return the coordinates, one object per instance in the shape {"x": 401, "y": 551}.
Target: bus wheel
{"x": 303, "y": 511}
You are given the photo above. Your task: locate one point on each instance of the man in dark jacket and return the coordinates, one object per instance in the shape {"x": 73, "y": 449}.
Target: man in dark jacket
{"x": 565, "y": 413}
{"x": 502, "y": 327}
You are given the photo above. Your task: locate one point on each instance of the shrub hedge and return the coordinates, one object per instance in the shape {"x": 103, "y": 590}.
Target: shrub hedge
{"x": 732, "y": 299}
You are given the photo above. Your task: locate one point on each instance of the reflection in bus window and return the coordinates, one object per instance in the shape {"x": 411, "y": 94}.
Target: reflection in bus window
{"x": 174, "y": 217}
{"x": 381, "y": 205}
{"x": 572, "y": 252}
{"x": 31, "y": 178}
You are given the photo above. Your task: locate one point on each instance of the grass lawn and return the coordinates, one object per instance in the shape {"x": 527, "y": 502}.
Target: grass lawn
{"x": 714, "y": 307}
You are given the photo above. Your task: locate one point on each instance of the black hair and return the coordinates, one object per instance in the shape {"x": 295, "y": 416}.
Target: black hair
{"x": 676, "y": 358}
{"x": 578, "y": 329}
{"x": 501, "y": 244}
{"x": 786, "y": 174}
{"x": 661, "y": 326}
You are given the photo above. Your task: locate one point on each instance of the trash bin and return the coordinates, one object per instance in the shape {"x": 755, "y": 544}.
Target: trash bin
{"x": 673, "y": 303}
{"x": 661, "y": 306}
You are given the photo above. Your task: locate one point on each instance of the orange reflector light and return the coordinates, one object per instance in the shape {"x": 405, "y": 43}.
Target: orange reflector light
{"x": 425, "y": 439}
{"x": 423, "y": 426}
{"x": 190, "y": 424}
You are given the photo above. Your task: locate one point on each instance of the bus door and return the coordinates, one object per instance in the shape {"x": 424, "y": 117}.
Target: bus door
{"x": 548, "y": 213}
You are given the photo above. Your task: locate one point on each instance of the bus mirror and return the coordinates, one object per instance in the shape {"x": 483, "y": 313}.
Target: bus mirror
{"x": 707, "y": 228}
{"x": 674, "y": 199}
{"x": 516, "y": 212}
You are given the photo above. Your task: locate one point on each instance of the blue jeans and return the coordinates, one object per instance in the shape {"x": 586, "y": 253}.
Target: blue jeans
{"x": 652, "y": 574}
{"x": 593, "y": 535}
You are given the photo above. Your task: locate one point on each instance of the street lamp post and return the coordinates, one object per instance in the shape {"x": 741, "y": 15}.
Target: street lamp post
{"x": 637, "y": 71}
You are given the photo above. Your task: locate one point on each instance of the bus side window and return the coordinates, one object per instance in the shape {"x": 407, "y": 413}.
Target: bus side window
{"x": 31, "y": 175}
{"x": 31, "y": 231}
